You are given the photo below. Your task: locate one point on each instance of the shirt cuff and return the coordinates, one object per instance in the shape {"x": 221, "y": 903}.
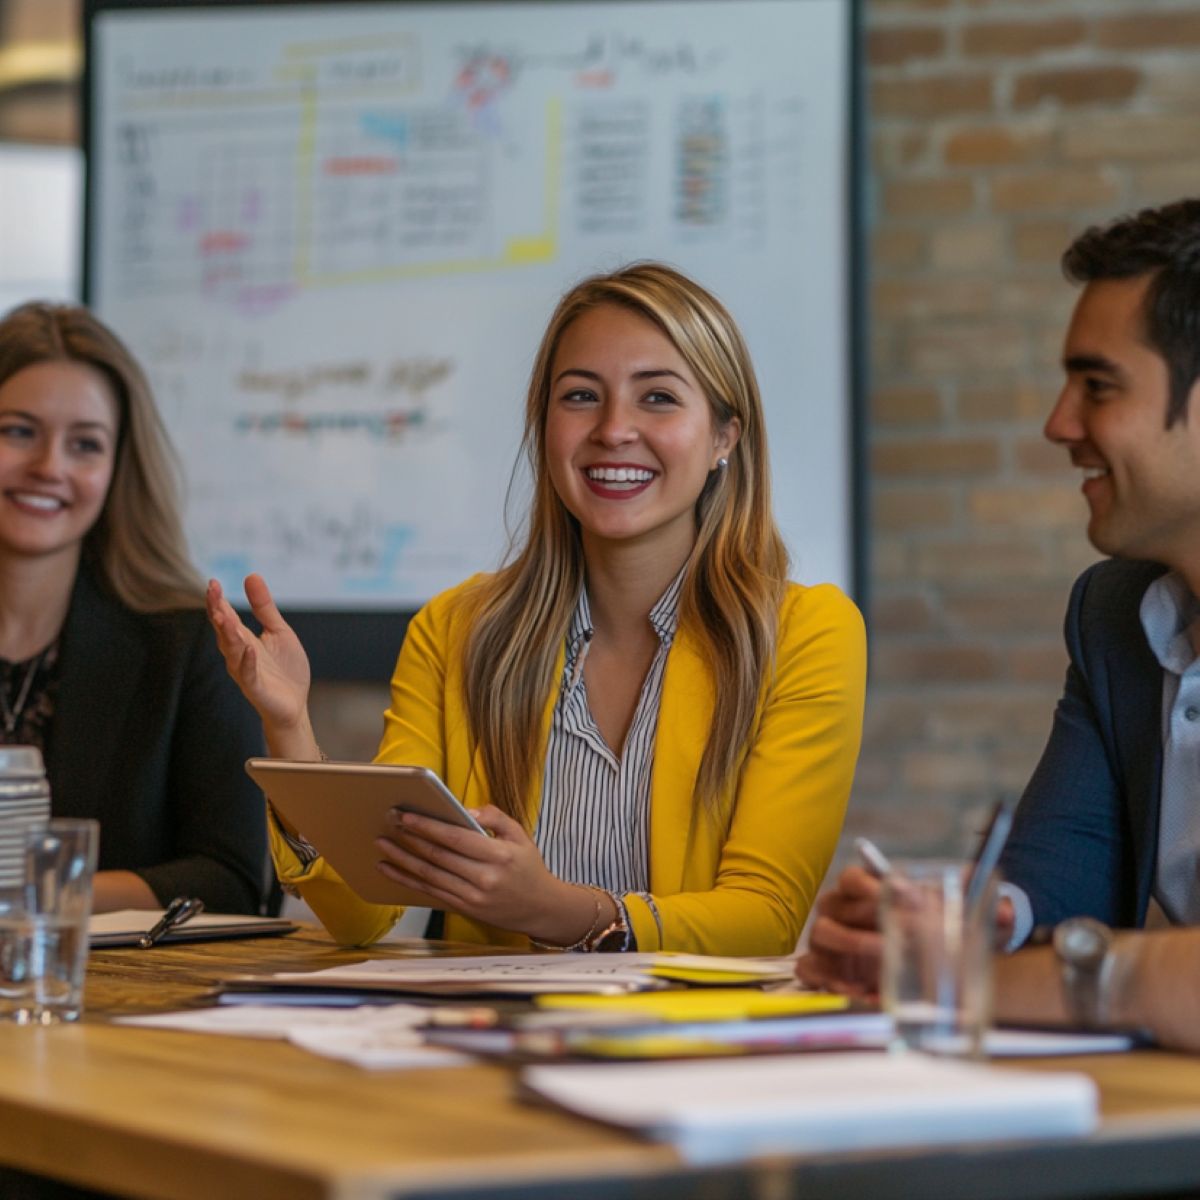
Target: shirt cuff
{"x": 1022, "y": 916}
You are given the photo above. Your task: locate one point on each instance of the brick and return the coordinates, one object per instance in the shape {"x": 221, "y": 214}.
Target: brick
{"x": 1043, "y": 241}
{"x": 928, "y": 197}
{"x": 967, "y": 247}
{"x": 1037, "y": 456}
{"x": 1069, "y": 188}
{"x": 921, "y": 298}
{"x": 1013, "y": 765}
{"x": 1163, "y": 183}
{"x": 884, "y": 348}
{"x": 1076, "y": 86}
{"x": 1042, "y": 662}
{"x": 897, "y": 248}
{"x": 1174, "y": 87}
{"x": 1017, "y": 39}
{"x": 945, "y": 457}
{"x": 890, "y": 561}
{"x": 905, "y": 511}
{"x": 902, "y": 614}
{"x": 945, "y": 771}
{"x": 989, "y": 717}
{"x": 932, "y": 96}
{"x": 1038, "y": 507}
{"x": 1011, "y": 402}
{"x": 1111, "y": 137}
{"x": 902, "y": 825}
{"x": 973, "y": 559}
{"x": 948, "y": 346}
{"x": 993, "y": 145}
{"x": 1073, "y": 553}
{"x": 891, "y": 720}
{"x": 1149, "y": 30}
{"x": 933, "y": 662}
{"x": 1050, "y": 299}
{"x": 1047, "y": 348}
{"x": 892, "y": 149}
{"x": 897, "y": 44}
{"x": 1005, "y": 610}
{"x": 904, "y": 406}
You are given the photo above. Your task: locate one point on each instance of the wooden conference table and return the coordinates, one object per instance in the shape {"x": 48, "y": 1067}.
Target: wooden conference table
{"x": 184, "y": 1116}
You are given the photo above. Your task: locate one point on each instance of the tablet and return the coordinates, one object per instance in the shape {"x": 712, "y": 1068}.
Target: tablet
{"x": 341, "y": 808}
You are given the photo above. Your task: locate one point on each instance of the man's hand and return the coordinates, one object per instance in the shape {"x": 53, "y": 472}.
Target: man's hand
{"x": 845, "y": 946}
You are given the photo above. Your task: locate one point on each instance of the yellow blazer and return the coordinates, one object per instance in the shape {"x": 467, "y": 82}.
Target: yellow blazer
{"x": 736, "y": 879}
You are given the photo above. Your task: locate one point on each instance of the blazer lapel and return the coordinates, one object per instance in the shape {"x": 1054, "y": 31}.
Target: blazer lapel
{"x": 100, "y": 665}
{"x": 684, "y": 716}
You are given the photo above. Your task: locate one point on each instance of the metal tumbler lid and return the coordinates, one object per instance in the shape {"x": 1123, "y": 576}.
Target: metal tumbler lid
{"x": 21, "y": 760}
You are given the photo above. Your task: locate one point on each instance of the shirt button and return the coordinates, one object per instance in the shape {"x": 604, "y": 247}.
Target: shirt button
{"x": 1191, "y": 713}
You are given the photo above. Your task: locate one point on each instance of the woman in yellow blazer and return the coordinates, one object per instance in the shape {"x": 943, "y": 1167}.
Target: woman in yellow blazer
{"x": 658, "y": 729}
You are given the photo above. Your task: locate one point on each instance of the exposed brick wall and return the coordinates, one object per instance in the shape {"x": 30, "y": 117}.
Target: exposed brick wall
{"x": 997, "y": 130}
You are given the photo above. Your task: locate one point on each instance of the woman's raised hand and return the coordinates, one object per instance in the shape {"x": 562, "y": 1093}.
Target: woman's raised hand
{"x": 271, "y": 669}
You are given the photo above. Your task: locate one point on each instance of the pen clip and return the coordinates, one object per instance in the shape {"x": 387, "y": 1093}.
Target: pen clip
{"x": 181, "y": 909}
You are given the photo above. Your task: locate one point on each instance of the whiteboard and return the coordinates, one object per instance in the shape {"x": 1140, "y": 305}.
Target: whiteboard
{"x": 334, "y": 234}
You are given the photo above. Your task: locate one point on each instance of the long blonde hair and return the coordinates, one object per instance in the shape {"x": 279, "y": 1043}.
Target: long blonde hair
{"x": 137, "y": 543}
{"x": 735, "y": 577}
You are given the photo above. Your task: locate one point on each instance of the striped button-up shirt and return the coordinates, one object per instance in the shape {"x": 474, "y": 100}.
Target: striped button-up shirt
{"x": 594, "y": 822}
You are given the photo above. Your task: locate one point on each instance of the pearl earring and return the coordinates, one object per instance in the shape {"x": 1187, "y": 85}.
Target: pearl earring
{"x": 722, "y": 463}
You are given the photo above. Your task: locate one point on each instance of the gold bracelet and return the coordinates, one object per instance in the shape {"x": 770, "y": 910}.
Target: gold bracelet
{"x": 591, "y": 931}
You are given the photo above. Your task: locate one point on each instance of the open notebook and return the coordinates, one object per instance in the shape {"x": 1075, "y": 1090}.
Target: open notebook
{"x": 124, "y": 927}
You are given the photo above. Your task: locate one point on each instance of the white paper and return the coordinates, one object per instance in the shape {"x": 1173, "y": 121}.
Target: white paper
{"x": 529, "y": 973}
{"x": 373, "y": 1036}
{"x": 733, "y": 1109}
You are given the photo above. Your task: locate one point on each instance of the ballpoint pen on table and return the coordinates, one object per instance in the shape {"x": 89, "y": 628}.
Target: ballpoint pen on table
{"x": 181, "y": 909}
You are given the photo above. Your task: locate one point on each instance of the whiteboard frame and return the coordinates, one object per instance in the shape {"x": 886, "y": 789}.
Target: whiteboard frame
{"x": 356, "y": 645}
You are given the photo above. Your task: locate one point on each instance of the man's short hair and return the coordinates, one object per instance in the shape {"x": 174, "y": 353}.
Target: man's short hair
{"x": 1163, "y": 242}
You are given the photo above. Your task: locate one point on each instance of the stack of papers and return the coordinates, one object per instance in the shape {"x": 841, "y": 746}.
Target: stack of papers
{"x": 728, "y": 1110}
{"x": 525, "y": 974}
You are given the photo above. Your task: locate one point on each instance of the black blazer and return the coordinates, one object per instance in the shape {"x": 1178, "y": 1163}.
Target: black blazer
{"x": 1085, "y": 838}
{"x": 149, "y": 735}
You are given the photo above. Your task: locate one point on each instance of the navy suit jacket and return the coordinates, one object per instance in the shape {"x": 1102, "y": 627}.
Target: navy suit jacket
{"x": 149, "y": 736}
{"x": 1085, "y": 837}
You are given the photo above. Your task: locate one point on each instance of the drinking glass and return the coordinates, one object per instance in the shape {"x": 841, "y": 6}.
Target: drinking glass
{"x": 44, "y": 925}
{"x": 936, "y": 980}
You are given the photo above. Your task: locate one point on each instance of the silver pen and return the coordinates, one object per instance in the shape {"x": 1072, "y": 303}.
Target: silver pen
{"x": 181, "y": 909}
{"x": 874, "y": 859}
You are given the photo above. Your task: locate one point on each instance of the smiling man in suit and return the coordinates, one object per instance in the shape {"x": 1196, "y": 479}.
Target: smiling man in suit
{"x": 1109, "y": 819}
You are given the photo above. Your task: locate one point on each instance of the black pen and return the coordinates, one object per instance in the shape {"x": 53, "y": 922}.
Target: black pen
{"x": 181, "y": 909}
{"x": 990, "y": 849}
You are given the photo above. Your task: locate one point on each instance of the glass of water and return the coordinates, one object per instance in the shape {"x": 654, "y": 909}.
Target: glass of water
{"x": 935, "y": 978}
{"x": 44, "y": 925}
